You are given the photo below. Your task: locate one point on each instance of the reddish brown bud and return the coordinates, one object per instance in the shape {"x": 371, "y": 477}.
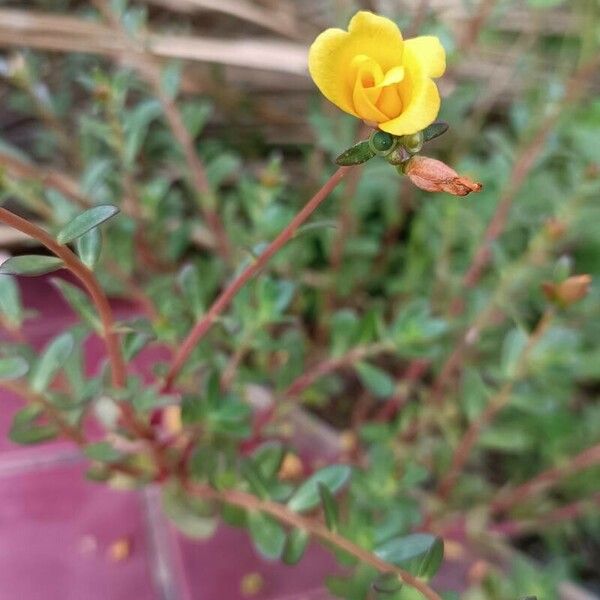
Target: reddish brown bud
{"x": 555, "y": 228}
{"x": 569, "y": 291}
{"x": 434, "y": 176}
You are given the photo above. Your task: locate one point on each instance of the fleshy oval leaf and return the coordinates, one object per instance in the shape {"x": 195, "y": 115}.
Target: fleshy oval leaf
{"x": 307, "y": 496}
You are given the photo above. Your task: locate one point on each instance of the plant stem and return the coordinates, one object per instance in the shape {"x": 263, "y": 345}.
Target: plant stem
{"x": 589, "y": 457}
{"x": 524, "y": 163}
{"x": 325, "y": 367}
{"x": 494, "y": 406}
{"x": 67, "y": 430}
{"x": 150, "y": 71}
{"x": 90, "y": 283}
{"x": 205, "y": 323}
{"x": 313, "y": 527}
{"x": 569, "y": 512}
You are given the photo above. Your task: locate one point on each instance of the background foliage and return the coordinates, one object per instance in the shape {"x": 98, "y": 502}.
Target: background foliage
{"x": 375, "y": 316}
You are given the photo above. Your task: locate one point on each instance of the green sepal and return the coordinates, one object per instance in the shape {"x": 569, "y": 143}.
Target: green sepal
{"x": 435, "y": 130}
{"x": 356, "y": 155}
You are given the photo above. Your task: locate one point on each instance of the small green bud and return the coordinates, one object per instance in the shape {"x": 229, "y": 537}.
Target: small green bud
{"x": 398, "y": 155}
{"x": 382, "y": 143}
{"x": 413, "y": 143}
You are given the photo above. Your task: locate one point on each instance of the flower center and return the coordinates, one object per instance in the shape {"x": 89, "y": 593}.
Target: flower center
{"x": 375, "y": 93}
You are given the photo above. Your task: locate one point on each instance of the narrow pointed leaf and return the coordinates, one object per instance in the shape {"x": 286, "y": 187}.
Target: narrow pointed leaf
{"x": 52, "y": 359}
{"x": 435, "y": 130}
{"x": 295, "y": 546}
{"x": 307, "y": 495}
{"x": 356, "y": 155}
{"x": 13, "y": 367}
{"x": 79, "y": 302}
{"x": 330, "y": 507}
{"x": 87, "y": 220}
{"x": 30, "y": 264}
{"x": 89, "y": 247}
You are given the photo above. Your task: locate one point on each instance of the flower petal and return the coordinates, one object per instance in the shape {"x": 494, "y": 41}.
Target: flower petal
{"x": 394, "y": 75}
{"x": 331, "y": 55}
{"x": 420, "y": 99}
{"x": 430, "y": 52}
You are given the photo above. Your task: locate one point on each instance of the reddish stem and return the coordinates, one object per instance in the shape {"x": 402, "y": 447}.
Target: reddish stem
{"x": 88, "y": 281}
{"x": 222, "y": 302}
{"x": 569, "y": 512}
{"x": 495, "y": 405}
{"x": 584, "y": 460}
{"x": 315, "y": 528}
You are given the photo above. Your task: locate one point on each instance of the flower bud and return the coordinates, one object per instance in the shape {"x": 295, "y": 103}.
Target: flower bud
{"x": 569, "y": 291}
{"x": 555, "y": 229}
{"x": 413, "y": 143}
{"x": 382, "y": 143}
{"x": 434, "y": 176}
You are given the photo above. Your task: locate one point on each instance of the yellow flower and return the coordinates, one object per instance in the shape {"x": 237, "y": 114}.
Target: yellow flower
{"x": 370, "y": 72}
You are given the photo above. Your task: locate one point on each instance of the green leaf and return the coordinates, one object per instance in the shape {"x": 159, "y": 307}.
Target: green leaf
{"x": 193, "y": 409}
{"x": 24, "y": 430}
{"x": 10, "y": 301}
{"x": 419, "y": 553}
{"x": 255, "y": 479}
{"x": 375, "y": 380}
{"x": 137, "y": 123}
{"x": 79, "y": 302}
{"x": 356, "y": 155}
{"x": 435, "y": 130}
{"x": 190, "y": 284}
{"x": 268, "y": 536}
{"x": 330, "y": 507}
{"x": 512, "y": 350}
{"x": 193, "y": 518}
{"x": 295, "y": 546}
{"x": 103, "y": 452}
{"x": 385, "y": 584}
{"x": 29, "y": 433}
{"x": 135, "y": 341}
{"x": 86, "y": 221}
{"x": 30, "y": 264}
{"x": 13, "y": 367}
{"x": 195, "y": 116}
{"x": 170, "y": 79}
{"x": 89, "y": 247}
{"x": 307, "y": 496}
{"x": 98, "y": 473}
{"x": 51, "y": 361}
{"x": 222, "y": 167}
{"x": 268, "y": 458}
